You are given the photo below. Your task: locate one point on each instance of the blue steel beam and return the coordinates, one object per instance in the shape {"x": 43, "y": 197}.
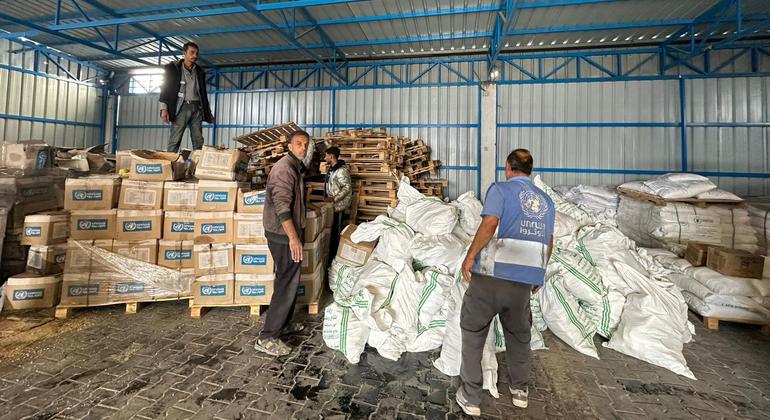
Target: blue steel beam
{"x": 503, "y": 24}
{"x": 743, "y": 33}
{"x": 331, "y": 68}
{"x": 143, "y": 28}
{"x": 71, "y": 38}
{"x": 291, "y": 4}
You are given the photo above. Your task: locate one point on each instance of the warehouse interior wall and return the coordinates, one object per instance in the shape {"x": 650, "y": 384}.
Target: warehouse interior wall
{"x": 48, "y": 97}
{"x": 594, "y": 120}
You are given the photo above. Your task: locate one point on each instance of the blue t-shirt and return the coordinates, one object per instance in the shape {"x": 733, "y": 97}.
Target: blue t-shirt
{"x": 527, "y": 216}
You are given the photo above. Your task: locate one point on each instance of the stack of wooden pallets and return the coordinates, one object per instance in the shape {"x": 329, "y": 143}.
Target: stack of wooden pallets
{"x": 377, "y": 161}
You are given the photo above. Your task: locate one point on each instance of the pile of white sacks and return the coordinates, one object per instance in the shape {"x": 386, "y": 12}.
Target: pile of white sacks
{"x": 408, "y": 296}
{"x": 674, "y": 225}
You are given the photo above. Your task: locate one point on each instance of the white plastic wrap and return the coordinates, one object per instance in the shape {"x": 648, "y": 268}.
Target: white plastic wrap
{"x": 674, "y": 185}
{"x": 441, "y": 250}
{"x": 120, "y": 276}
{"x": 431, "y": 216}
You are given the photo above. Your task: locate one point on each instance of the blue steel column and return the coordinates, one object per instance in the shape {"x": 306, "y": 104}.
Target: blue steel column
{"x": 103, "y": 116}
{"x": 478, "y": 142}
{"x": 683, "y": 121}
{"x": 216, "y": 107}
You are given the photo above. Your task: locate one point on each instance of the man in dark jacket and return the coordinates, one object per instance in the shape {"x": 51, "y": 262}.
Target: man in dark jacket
{"x": 183, "y": 99}
{"x": 284, "y": 222}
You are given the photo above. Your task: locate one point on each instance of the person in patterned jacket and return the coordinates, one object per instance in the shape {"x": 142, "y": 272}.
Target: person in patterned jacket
{"x": 338, "y": 190}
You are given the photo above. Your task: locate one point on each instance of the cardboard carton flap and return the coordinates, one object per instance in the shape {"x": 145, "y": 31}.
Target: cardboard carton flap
{"x": 158, "y": 155}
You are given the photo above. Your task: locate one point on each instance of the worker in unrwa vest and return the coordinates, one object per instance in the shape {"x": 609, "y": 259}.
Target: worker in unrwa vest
{"x": 502, "y": 271}
{"x": 338, "y": 189}
{"x": 284, "y": 220}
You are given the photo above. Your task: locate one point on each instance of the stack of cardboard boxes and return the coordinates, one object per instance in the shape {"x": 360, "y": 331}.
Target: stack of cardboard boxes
{"x": 27, "y": 186}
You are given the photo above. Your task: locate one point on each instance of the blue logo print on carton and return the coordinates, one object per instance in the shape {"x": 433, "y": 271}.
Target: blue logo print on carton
{"x": 215, "y": 290}
{"x": 214, "y": 228}
{"x": 254, "y": 200}
{"x": 182, "y": 227}
{"x": 84, "y": 290}
{"x": 252, "y": 290}
{"x": 42, "y": 159}
{"x": 28, "y": 294}
{"x": 92, "y": 224}
{"x": 126, "y": 288}
{"x": 254, "y": 259}
{"x": 216, "y": 197}
{"x": 149, "y": 168}
{"x": 33, "y": 231}
{"x": 178, "y": 254}
{"x": 137, "y": 226}
{"x": 87, "y": 195}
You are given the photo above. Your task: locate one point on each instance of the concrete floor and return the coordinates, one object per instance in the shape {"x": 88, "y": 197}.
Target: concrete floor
{"x": 159, "y": 363}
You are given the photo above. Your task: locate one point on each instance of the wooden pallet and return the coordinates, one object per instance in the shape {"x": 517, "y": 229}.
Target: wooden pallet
{"x": 712, "y": 323}
{"x": 660, "y": 201}
{"x": 375, "y": 201}
{"x": 197, "y": 311}
{"x": 379, "y": 184}
{"x": 65, "y": 311}
{"x": 268, "y": 135}
{"x": 429, "y": 167}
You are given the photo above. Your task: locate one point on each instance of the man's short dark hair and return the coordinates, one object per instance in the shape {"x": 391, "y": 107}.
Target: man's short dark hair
{"x": 335, "y": 151}
{"x": 298, "y": 133}
{"x": 520, "y": 160}
{"x": 187, "y": 45}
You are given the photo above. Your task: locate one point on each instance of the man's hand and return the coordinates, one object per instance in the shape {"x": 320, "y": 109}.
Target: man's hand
{"x": 164, "y": 116}
{"x": 295, "y": 245}
{"x": 467, "y": 266}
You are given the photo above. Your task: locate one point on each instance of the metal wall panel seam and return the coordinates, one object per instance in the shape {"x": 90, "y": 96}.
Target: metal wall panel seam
{"x": 646, "y": 172}
{"x": 47, "y": 120}
{"x": 683, "y": 123}
{"x": 588, "y": 124}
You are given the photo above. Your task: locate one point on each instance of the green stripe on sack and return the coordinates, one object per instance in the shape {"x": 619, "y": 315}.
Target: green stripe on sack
{"x": 568, "y": 310}
{"x": 344, "y": 331}
{"x": 390, "y": 292}
{"x": 499, "y": 340}
{"x": 580, "y": 276}
{"x": 606, "y": 315}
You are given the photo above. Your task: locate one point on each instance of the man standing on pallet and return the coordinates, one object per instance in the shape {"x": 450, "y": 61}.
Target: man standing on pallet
{"x": 338, "y": 189}
{"x": 506, "y": 268}
{"x": 183, "y": 99}
{"x": 284, "y": 222}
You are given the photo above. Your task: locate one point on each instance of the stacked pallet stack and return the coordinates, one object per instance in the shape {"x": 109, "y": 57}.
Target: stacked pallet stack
{"x": 377, "y": 161}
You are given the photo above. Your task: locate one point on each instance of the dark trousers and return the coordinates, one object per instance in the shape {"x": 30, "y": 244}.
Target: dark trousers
{"x": 486, "y": 297}
{"x": 334, "y": 242}
{"x": 189, "y": 115}
{"x": 285, "y": 287}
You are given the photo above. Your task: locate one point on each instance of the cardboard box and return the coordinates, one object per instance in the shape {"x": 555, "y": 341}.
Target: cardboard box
{"x": 250, "y": 201}
{"x": 180, "y": 196}
{"x": 249, "y": 229}
{"x": 77, "y": 259}
{"x": 221, "y": 164}
{"x": 175, "y": 254}
{"x": 46, "y": 229}
{"x": 735, "y": 262}
{"x": 213, "y": 290}
{"x": 328, "y": 214}
{"x": 120, "y": 287}
{"x": 314, "y": 224}
{"x": 32, "y": 291}
{"x": 213, "y": 227}
{"x": 93, "y": 224}
{"x": 354, "y": 254}
{"x": 45, "y": 260}
{"x": 253, "y": 259}
{"x": 91, "y": 193}
{"x": 139, "y": 224}
{"x": 140, "y": 195}
{"x": 28, "y": 157}
{"x": 149, "y": 165}
{"x": 122, "y": 161}
{"x": 79, "y": 290}
{"x": 253, "y": 289}
{"x": 310, "y": 285}
{"x": 697, "y": 253}
{"x": 179, "y": 226}
{"x": 312, "y": 255}
{"x": 213, "y": 259}
{"x": 145, "y": 250}
{"x": 217, "y": 195}
{"x": 326, "y": 243}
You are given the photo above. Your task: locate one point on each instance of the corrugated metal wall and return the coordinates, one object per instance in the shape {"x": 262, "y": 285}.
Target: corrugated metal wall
{"x": 39, "y": 101}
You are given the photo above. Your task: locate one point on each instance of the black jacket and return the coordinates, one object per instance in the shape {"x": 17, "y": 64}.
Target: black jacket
{"x": 169, "y": 93}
